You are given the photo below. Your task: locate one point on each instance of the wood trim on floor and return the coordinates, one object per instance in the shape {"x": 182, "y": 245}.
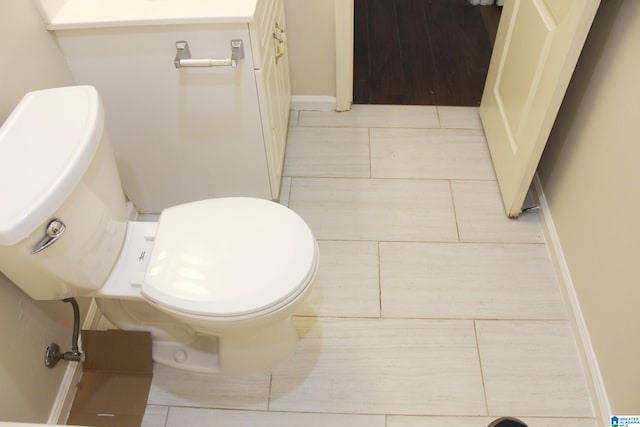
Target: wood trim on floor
{"x": 344, "y": 54}
{"x": 314, "y": 103}
{"x": 595, "y": 383}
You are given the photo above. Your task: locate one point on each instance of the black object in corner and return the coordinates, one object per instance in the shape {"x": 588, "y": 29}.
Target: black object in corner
{"x": 507, "y": 422}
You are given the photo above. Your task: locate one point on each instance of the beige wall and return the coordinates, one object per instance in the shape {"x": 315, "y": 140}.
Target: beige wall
{"x": 312, "y": 47}
{"x": 30, "y": 60}
{"x": 591, "y": 179}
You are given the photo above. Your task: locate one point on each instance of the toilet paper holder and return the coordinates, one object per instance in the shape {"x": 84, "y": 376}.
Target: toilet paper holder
{"x": 183, "y": 56}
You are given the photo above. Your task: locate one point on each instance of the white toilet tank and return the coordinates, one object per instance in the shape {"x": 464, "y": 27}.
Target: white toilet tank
{"x": 57, "y": 164}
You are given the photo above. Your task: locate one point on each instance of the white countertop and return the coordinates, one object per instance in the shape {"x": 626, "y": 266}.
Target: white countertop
{"x": 70, "y": 14}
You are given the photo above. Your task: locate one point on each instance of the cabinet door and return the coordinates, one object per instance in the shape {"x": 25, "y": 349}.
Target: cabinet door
{"x": 274, "y": 91}
{"x": 179, "y": 135}
{"x": 282, "y": 72}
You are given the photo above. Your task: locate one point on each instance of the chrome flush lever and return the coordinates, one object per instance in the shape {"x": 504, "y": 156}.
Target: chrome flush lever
{"x": 53, "y": 232}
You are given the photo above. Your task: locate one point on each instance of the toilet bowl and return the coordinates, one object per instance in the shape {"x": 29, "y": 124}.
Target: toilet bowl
{"x": 216, "y": 282}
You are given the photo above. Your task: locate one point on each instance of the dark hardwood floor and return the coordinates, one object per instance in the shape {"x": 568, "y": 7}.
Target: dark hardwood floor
{"x": 422, "y": 52}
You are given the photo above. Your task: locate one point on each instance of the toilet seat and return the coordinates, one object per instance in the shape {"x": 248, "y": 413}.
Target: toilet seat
{"x": 229, "y": 257}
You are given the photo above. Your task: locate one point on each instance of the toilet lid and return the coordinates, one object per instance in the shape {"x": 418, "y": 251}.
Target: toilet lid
{"x": 229, "y": 256}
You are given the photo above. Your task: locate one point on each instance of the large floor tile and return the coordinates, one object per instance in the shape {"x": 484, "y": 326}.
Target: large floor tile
{"x": 417, "y": 421}
{"x": 532, "y": 368}
{"x": 347, "y": 283}
{"x": 155, "y": 416}
{"x": 173, "y": 387}
{"x": 468, "y": 280}
{"x": 410, "y": 116}
{"x": 481, "y": 215}
{"x": 459, "y": 117}
{"x": 430, "y": 153}
{"x": 381, "y": 366}
{"x": 191, "y": 417}
{"x": 332, "y": 152}
{"x": 371, "y": 209}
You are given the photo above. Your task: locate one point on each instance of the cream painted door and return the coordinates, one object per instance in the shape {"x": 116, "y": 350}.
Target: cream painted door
{"x": 536, "y": 50}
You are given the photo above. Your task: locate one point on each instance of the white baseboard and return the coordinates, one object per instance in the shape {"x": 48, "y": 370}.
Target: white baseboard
{"x": 68, "y": 386}
{"x": 600, "y": 401}
{"x": 313, "y": 103}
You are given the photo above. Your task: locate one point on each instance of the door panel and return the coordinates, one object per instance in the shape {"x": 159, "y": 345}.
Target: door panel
{"x": 537, "y": 47}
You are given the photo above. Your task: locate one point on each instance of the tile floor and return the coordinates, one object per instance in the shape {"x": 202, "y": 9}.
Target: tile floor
{"x": 431, "y": 308}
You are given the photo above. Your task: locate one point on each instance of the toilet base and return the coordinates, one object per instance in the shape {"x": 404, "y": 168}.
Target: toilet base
{"x": 241, "y": 352}
{"x": 231, "y": 350}
{"x": 200, "y": 355}
{"x": 257, "y": 350}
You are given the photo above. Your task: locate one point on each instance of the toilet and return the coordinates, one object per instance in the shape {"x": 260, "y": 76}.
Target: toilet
{"x": 216, "y": 282}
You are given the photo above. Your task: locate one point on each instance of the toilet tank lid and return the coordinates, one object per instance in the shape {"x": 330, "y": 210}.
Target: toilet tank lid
{"x": 46, "y": 146}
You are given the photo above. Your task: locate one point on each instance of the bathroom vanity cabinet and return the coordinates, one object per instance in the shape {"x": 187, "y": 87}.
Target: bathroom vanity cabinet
{"x": 185, "y": 134}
